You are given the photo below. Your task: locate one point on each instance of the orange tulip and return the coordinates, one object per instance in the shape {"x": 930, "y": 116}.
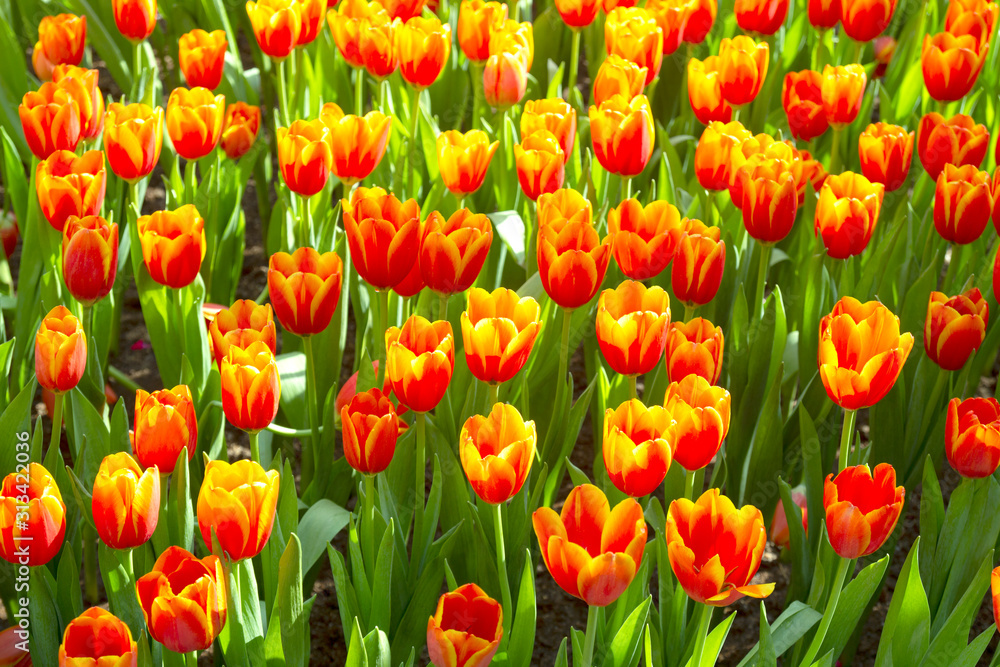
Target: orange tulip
{"x": 671, "y": 16}
{"x": 541, "y": 164}
{"x": 564, "y": 205}
{"x": 972, "y": 436}
{"x": 694, "y": 348}
{"x": 133, "y": 137}
{"x": 311, "y": 13}
{"x": 715, "y": 549}
{"x": 957, "y": 140}
{"x": 236, "y": 505}
{"x": 61, "y": 39}
{"x": 32, "y": 517}
{"x": 951, "y": 64}
{"x": 824, "y": 14}
{"x": 701, "y": 414}
{"x": 251, "y": 388}
{"x": 847, "y": 212}
{"x": 201, "y": 55}
{"x": 97, "y": 638}
{"x": 634, "y": 34}
{"x": 591, "y": 550}
{"x": 239, "y": 131}
{"x": 636, "y": 447}
{"x": 404, "y": 10}
{"x": 884, "y": 48}
{"x": 423, "y": 46}
{"x": 618, "y": 76}
{"x": 276, "y": 24}
{"x": 886, "y": 152}
{"x": 194, "y": 121}
{"x": 377, "y": 43}
{"x": 305, "y": 156}
{"x": 712, "y": 156}
{"x": 515, "y": 38}
{"x": 861, "y": 509}
{"x": 742, "y": 69}
{"x": 623, "y": 134}
{"x": 70, "y": 186}
{"x": 496, "y": 452}
{"x": 994, "y": 189}
{"x": 413, "y": 283}
{"x": 89, "y": 258}
{"x": 779, "y": 531}
{"x": 769, "y": 198}
{"x": 370, "y": 431}
{"x": 864, "y": 20}
{"x": 50, "y": 118}
{"x": 963, "y": 203}
{"x": 955, "y": 327}
{"x": 505, "y": 80}
{"x": 477, "y": 20}
{"x": 60, "y": 351}
{"x": 420, "y": 360}
{"x": 135, "y": 19}
{"x": 699, "y": 262}
{"x": 861, "y": 352}
{"x": 453, "y": 251}
{"x": 700, "y": 19}
{"x": 554, "y": 115}
{"x": 241, "y": 324}
{"x": 578, "y": 14}
{"x": 572, "y": 261}
{"x": 632, "y": 323}
{"x": 9, "y": 233}
{"x": 705, "y": 91}
{"x": 384, "y": 237}
{"x": 357, "y": 143}
{"x": 643, "y": 240}
{"x": 466, "y": 629}
{"x": 126, "y": 502}
{"x": 173, "y": 245}
{"x": 81, "y": 84}
{"x": 165, "y": 423}
{"x": 183, "y": 600}
{"x": 498, "y": 331}
{"x": 763, "y": 17}
{"x": 464, "y": 159}
{"x": 802, "y": 99}
{"x": 349, "y": 22}
{"x": 842, "y": 90}
{"x": 304, "y": 288}
{"x": 977, "y": 18}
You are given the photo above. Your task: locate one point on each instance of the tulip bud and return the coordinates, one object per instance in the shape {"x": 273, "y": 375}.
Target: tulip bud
{"x": 423, "y": 46}
{"x": 864, "y": 20}
{"x": 241, "y": 324}
{"x": 540, "y": 164}
{"x": 698, "y": 265}
{"x": 33, "y": 514}
{"x": 618, "y": 76}
{"x": 886, "y": 152}
{"x": 578, "y": 14}
{"x": 847, "y": 212}
{"x": 50, "y": 118}
{"x": 572, "y": 260}
{"x": 60, "y": 351}
{"x": 498, "y": 332}
{"x": 701, "y": 414}
{"x": 769, "y": 198}
{"x": 802, "y": 99}
{"x": 713, "y": 154}
{"x": 370, "y": 431}
{"x": 420, "y": 361}
{"x": 304, "y": 288}
{"x": 632, "y": 322}
{"x": 636, "y": 447}
{"x": 958, "y": 141}
{"x": 951, "y": 64}
{"x": 68, "y": 186}
{"x": 165, "y": 423}
{"x": 643, "y": 240}
{"x": 824, "y": 14}
{"x": 634, "y": 34}
{"x": 133, "y": 137}
{"x": 201, "y": 56}
{"x": 384, "y": 236}
{"x": 89, "y": 258}
{"x": 554, "y": 115}
{"x": 9, "y": 232}
{"x": 505, "y": 80}
{"x": 276, "y": 24}
{"x": 81, "y": 84}
{"x": 126, "y": 502}
{"x": 742, "y": 69}
{"x": 705, "y": 91}
{"x": 763, "y": 17}
{"x": 135, "y": 19}
{"x": 236, "y": 504}
{"x": 377, "y": 46}
{"x": 311, "y": 13}
{"x": 61, "y": 39}
{"x": 467, "y": 623}
{"x": 477, "y": 20}
{"x": 884, "y": 48}
{"x": 497, "y": 451}
{"x": 694, "y": 348}
{"x": 97, "y": 637}
{"x": 251, "y": 388}
{"x": 972, "y": 436}
{"x": 239, "y": 131}
{"x": 623, "y": 134}
{"x": 348, "y": 22}
{"x": 861, "y": 509}
{"x": 453, "y": 251}
{"x": 173, "y": 245}
{"x": 671, "y": 16}
{"x": 842, "y": 89}
{"x": 357, "y": 143}
{"x": 779, "y": 530}
{"x": 700, "y": 19}
{"x": 963, "y": 203}
{"x": 194, "y": 121}
{"x": 955, "y": 327}
{"x": 464, "y": 159}
{"x": 304, "y": 156}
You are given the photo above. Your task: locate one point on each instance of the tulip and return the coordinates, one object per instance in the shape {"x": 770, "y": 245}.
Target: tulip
{"x": 554, "y": 115}
{"x": 133, "y": 137}
{"x": 70, "y": 186}
{"x": 97, "y": 638}
{"x": 60, "y": 351}
{"x": 951, "y": 64}
{"x": 963, "y": 203}
{"x": 572, "y": 261}
{"x": 453, "y": 251}
{"x": 643, "y": 240}
{"x": 578, "y": 14}
{"x": 384, "y": 238}
{"x": 477, "y": 20}
{"x": 802, "y": 99}
{"x": 165, "y": 423}
{"x": 634, "y": 34}
{"x": 183, "y": 600}
{"x": 89, "y": 258}
{"x": 61, "y": 39}
{"x": 712, "y": 155}
{"x": 779, "y": 530}
{"x": 423, "y": 46}
{"x": 618, "y": 76}
{"x": 194, "y": 121}
{"x": 957, "y": 140}
{"x": 241, "y": 324}
{"x": 995, "y": 594}
{"x": 357, "y": 143}
{"x": 498, "y": 331}
{"x": 769, "y": 198}
{"x": 311, "y": 13}
{"x": 9, "y": 233}
{"x": 763, "y": 17}
{"x": 50, "y": 118}
{"x": 377, "y": 44}
{"x": 505, "y": 80}
{"x": 972, "y": 436}
{"x": 464, "y": 159}
{"x": 304, "y": 288}
{"x": 861, "y": 352}
{"x": 13, "y": 649}
{"x": 82, "y": 86}
{"x": 977, "y": 18}
{"x": 404, "y": 10}
{"x": 466, "y": 629}
{"x": 842, "y": 90}
{"x": 305, "y": 156}
{"x": 236, "y": 506}
{"x": 886, "y": 152}
{"x": 562, "y": 206}
{"x": 636, "y": 447}
{"x": 135, "y": 19}
{"x": 700, "y": 18}
{"x": 591, "y": 550}
{"x": 824, "y": 14}
{"x": 540, "y": 164}
{"x": 240, "y": 129}
{"x": 742, "y": 68}
{"x": 623, "y": 134}
{"x": 126, "y": 502}
{"x": 173, "y": 245}
{"x": 32, "y": 517}
{"x": 861, "y": 509}
{"x": 694, "y": 348}
{"x": 349, "y": 22}
{"x": 701, "y": 414}
{"x": 864, "y": 20}
{"x": 847, "y": 212}
{"x": 251, "y": 388}
{"x": 884, "y": 48}
{"x": 370, "y": 431}
{"x": 994, "y": 189}
{"x": 716, "y": 549}
{"x": 632, "y": 323}
{"x": 955, "y": 327}
{"x": 514, "y": 38}
{"x": 496, "y": 452}
{"x": 699, "y": 262}
{"x": 201, "y": 55}
{"x": 671, "y": 16}
{"x": 705, "y": 91}
{"x": 420, "y": 361}
{"x": 276, "y": 24}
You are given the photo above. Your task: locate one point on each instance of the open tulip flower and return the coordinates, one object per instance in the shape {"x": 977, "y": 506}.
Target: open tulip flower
{"x": 81, "y": 84}
{"x": 705, "y": 91}
{"x": 136, "y": 19}
{"x": 61, "y": 39}
{"x": 632, "y": 323}
{"x": 421, "y": 359}
{"x": 496, "y": 452}
{"x": 304, "y": 288}
{"x": 423, "y": 46}
{"x": 126, "y": 501}
{"x": 963, "y": 203}
{"x": 958, "y": 140}
{"x": 572, "y": 261}
{"x": 864, "y": 20}
{"x": 276, "y": 24}
{"x": 972, "y": 436}
{"x": 886, "y": 152}
{"x": 240, "y": 129}
{"x": 742, "y": 69}
{"x": 763, "y": 17}
{"x": 201, "y": 56}
{"x": 348, "y": 22}
{"x": 701, "y": 415}
{"x": 623, "y": 134}
{"x": 842, "y": 89}
{"x": 32, "y": 517}
{"x": 541, "y": 164}
{"x": 955, "y": 327}
{"x": 802, "y": 99}
{"x": 498, "y": 332}
{"x": 861, "y": 352}
{"x": 452, "y": 251}
{"x": 371, "y": 429}
{"x": 305, "y": 156}
{"x": 466, "y": 629}
{"x": 694, "y": 348}
{"x": 98, "y": 638}
{"x": 643, "y": 239}
{"x": 173, "y": 245}
{"x": 60, "y": 351}
{"x": 89, "y": 258}
{"x": 862, "y": 508}
{"x": 50, "y": 118}
{"x": 713, "y": 155}
{"x": 591, "y": 550}
{"x": 165, "y": 423}
{"x": 357, "y": 143}
{"x": 251, "y": 388}
{"x": 384, "y": 236}
{"x": 464, "y": 159}
{"x": 698, "y": 265}
{"x": 241, "y": 324}
{"x": 977, "y": 18}
{"x": 133, "y": 137}
{"x": 554, "y": 115}
{"x": 637, "y": 447}
{"x": 69, "y": 185}
{"x": 237, "y": 504}
{"x": 847, "y": 212}
{"x": 716, "y": 549}
{"x": 194, "y": 121}
{"x": 618, "y": 76}
{"x": 951, "y": 64}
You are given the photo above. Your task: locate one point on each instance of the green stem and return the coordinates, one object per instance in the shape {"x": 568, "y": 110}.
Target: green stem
{"x": 859, "y": 50}
{"x": 831, "y": 607}
{"x": 254, "y": 446}
{"x": 127, "y": 563}
{"x": 931, "y": 407}
{"x": 953, "y": 262}
{"x": 136, "y": 66}
{"x": 476, "y": 72}
{"x": 119, "y": 376}
{"x": 588, "y": 642}
{"x": 847, "y": 436}
{"x": 190, "y": 181}
{"x": 369, "y": 518}
{"x": 493, "y": 395}
{"x": 90, "y": 563}
{"x": 442, "y": 306}
{"x": 689, "y": 484}
{"x": 419, "y": 478}
{"x": 57, "y": 419}
{"x": 530, "y": 224}
{"x": 817, "y": 54}
{"x": 283, "y": 93}
{"x": 191, "y": 659}
{"x": 359, "y": 92}
{"x": 383, "y": 317}
{"x": 414, "y": 129}
{"x": 689, "y": 312}
{"x": 564, "y": 349}
{"x": 835, "y": 159}
{"x": 508, "y": 606}
{"x": 290, "y": 432}
{"x": 574, "y": 65}
{"x": 765, "y": 260}
{"x": 305, "y": 223}
{"x": 633, "y": 392}
{"x": 310, "y": 454}
{"x": 704, "y": 624}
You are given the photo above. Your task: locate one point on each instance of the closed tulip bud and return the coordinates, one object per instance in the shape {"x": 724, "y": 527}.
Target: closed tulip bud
{"x": 951, "y": 64}
{"x": 135, "y": 19}
{"x": 842, "y": 90}
{"x": 311, "y": 14}
{"x": 713, "y": 155}
{"x": 847, "y": 212}
{"x": 634, "y": 34}
{"x": 81, "y": 84}
{"x": 824, "y": 14}
{"x": 700, "y": 19}
{"x": 671, "y": 16}
{"x": 241, "y": 324}
{"x": 453, "y": 251}
{"x": 957, "y": 140}
{"x": 742, "y": 69}
{"x": 562, "y": 206}
{"x": 9, "y": 233}
{"x": 133, "y": 137}
{"x": 884, "y": 48}
{"x": 276, "y": 24}
{"x": 802, "y": 99}
{"x": 370, "y": 431}
{"x": 977, "y": 18}
{"x": 623, "y": 134}
{"x": 97, "y": 638}
{"x": 165, "y": 423}
{"x": 126, "y": 502}
{"x": 70, "y": 186}
{"x": 578, "y": 14}
{"x": 240, "y": 129}
{"x": 304, "y": 288}
{"x": 464, "y": 159}
{"x": 886, "y": 152}
{"x": 466, "y": 629}
{"x": 554, "y": 115}
{"x": 348, "y": 22}
{"x": 572, "y": 261}
{"x": 61, "y": 39}
{"x": 251, "y": 388}
{"x": 643, "y": 240}
{"x": 769, "y": 198}
{"x": 963, "y": 203}
{"x": 701, "y": 414}
{"x": 763, "y": 17}
{"x": 861, "y": 509}
{"x": 505, "y": 80}
{"x": 183, "y": 599}
{"x": 694, "y": 348}
{"x": 972, "y": 436}
{"x": 496, "y": 452}
{"x": 89, "y": 258}
{"x": 201, "y": 56}
{"x": 305, "y": 156}
{"x": 357, "y": 143}
{"x": 592, "y": 551}
{"x": 632, "y": 323}
{"x": 861, "y": 352}
{"x": 60, "y": 351}
{"x": 50, "y": 118}
{"x": 618, "y": 76}
{"x": 236, "y": 505}
{"x": 705, "y": 91}
{"x": 194, "y": 121}
{"x": 384, "y": 237}
{"x": 498, "y": 331}
{"x": 173, "y": 245}
{"x": 420, "y": 361}
{"x": 541, "y": 164}
{"x": 955, "y": 327}
{"x": 864, "y": 20}
{"x": 636, "y": 447}
{"x": 779, "y": 531}
{"x": 715, "y": 549}
{"x": 31, "y": 513}
{"x": 423, "y": 46}
{"x": 377, "y": 43}
{"x": 516, "y": 38}
{"x": 698, "y": 264}
{"x": 477, "y": 20}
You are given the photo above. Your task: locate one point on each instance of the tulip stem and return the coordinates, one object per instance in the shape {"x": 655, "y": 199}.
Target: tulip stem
{"x": 689, "y": 312}
{"x": 574, "y": 65}
{"x": 588, "y": 642}
{"x": 57, "y": 417}
{"x": 283, "y": 93}
{"x": 383, "y": 324}
{"x": 90, "y": 562}
{"x": 310, "y": 451}
{"x": 414, "y": 130}
{"x": 633, "y": 392}
{"x": 442, "y": 306}
{"x": 831, "y": 607}
{"x": 835, "y": 166}
{"x": 563, "y": 351}
{"x": 689, "y": 484}
{"x": 305, "y": 223}
{"x": 765, "y": 261}
{"x": 508, "y": 605}
{"x": 420, "y": 482}
{"x": 847, "y": 436}
{"x": 369, "y": 530}
{"x": 191, "y": 659}
{"x": 494, "y": 395}
{"x": 476, "y": 72}
{"x": 359, "y": 92}
{"x": 136, "y": 66}
{"x": 704, "y": 624}
{"x": 190, "y": 181}
{"x": 254, "y": 446}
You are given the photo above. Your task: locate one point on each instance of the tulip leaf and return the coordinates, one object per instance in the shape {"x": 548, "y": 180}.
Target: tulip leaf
{"x": 624, "y": 648}
{"x": 562, "y": 659}
{"x": 906, "y": 631}
{"x": 347, "y": 601}
{"x": 120, "y": 590}
{"x": 412, "y": 628}
{"x": 321, "y": 523}
{"x": 357, "y": 655}
{"x": 181, "y": 520}
{"x": 14, "y": 181}
{"x": 289, "y": 604}
{"x": 853, "y": 603}
{"x": 382, "y": 581}
{"x": 932, "y": 514}
{"x": 510, "y": 228}
{"x": 522, "y": 634}
{"x": 956, "y": 628}
{"x": 16, "y": 423}
{"x": 974, "y": 651}
{"x": 69, "y": 598}
{"x": 802, "y": 556}
{"x": 713, "y": 643}
{"x": 90, "y": 441}
{"x": 45, "y": 624}
{"x": 13, "y": 85}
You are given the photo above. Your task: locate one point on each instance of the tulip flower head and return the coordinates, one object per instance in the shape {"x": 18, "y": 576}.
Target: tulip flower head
{"x": 452, "y": 251}
{"x": 68, "y": 185}
{"x": 165, "y": 423}
{"x": 623, "y": 134}
{"x": 89, "y": 258}
{"x": 357, "y": 143}
{"x": 133, "y": 137}
{"x": 515, "y": 38}
{"x": 957, "y": 140}
{"x": 742, "y": 69}
{"x": 404, "y": 10}
{"x": 304, "y": 288}
{"x": 97, "y": 637}
{"x": 305, "y": 156}
{"x": 951, "y": 64}
{"x": 135, "y": 19}
{"x": 972, "y": 436}
{"x": 779, "y": 531}
{"x": 700, "y": 19}
{"x": 201, "y": 56}
{"x": 541, "y": 164}
{"x": 241, "y": 324}
{"x": 464, "y": 159}
{"x": 763, "y": 17}
{"x": 769, "y": 198}
{"x": 194, "y": 121}
{"x": 864, "y": 20}
{"x": 32, "y": 517}
{"x": 618, "y": 76}
{"x": 60, "y": 351}
{"x": 126, "y": 501}
{"x": 637, "y": 447}
{"x": 572, "y": 260}
{"x": 694, "y": 348}
{"x": 9, "y": 233}
{"x": 977, "y": 18}
{"x": 240, "y": 129}
{"x": 251, "y": 388}
{"x": 349, "y": 22}
{"x": 173, "y": 245}
{"x": 823, "y": 14}
{"x": 378, "y": 45}
{"x": 591, "y": 550}
{"x": 862, "y": 508}
{"x": 884, "y": 48}
{"x": 423, "y": 46}
{"x": 643, "y": 239}
{"x": 276, "y": 24}
{"x": 847, "y": 212}
{"x": 886, "y": 152}
{"x": 554, "y": 115}
{"x": 466, "y": 629}
{"x": 842, "y": 89}
{"x": 498, "y": 332}
{"x": 698, "y": 265}
{"x": 505, "y": 80}
{"x": 420, "y": 361}
{"x": 371, "y": 429}
{"x": 633, "y": 34}
{"x": 705, "y": 91}
{"x": 50, "y": 118}
{"x": 632, "y": 323}
{"x": 311, "y": 13}
{"x": 963, "y": 203}
{"x": 496, "y": 452}
{"x": 578, "y": 14}
{"x": 701, "y": 414}
{"x": 802, "y": 99}
{"x": 61, "y": 39}
{"x": 955, "y": 327}
{"x": 82, "y": 86}
{"x": 672, "y": 17}
{"x": 477, "y": 21}
{"x": 236, "y": 505}
{"x": 384, "y": 237}
{"x": 713, "y": 155}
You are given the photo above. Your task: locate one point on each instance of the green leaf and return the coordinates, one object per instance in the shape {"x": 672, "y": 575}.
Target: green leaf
{"x": 382, "y": 584}
{"x": 624, "y": 648}
{"x": 320, "y": 524}
{"x": 788, "y": 628}
{"x": 357, "y": 656}
{"x": 13, "y": 170}
{"x": 70, "y": 597}
{"x": 802, "y": 556}
{"x": 46, "y": 628}
{"x": 522, "y": 633}
{"x": 852, "y": 604}
{"x": 713, "y": 643}
{"x": 766, "y": 657}
{"x": 954, "y": 633}
{"x": 510, "y": 228}
{"x": 294, "y": 630}
{"x": 120, "y": 590}
{"x": 906, "y": 631}
{"x": 16, "y": 421}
